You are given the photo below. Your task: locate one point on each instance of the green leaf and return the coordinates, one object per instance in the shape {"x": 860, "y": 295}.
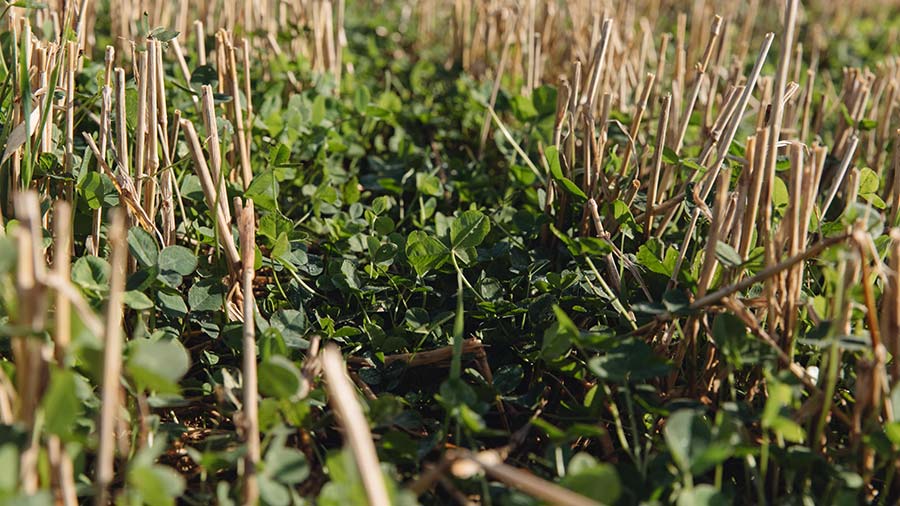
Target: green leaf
{"x": 384, "y": 225}
{"x": 137, "y": 300}
{"x": 286, "y": 465}
{"x": 544, "y": 100}
{"x": 649, "y": 256}
{"x": 508, "y": 378}
{"x": 158, "y": 364}
{"x": 727, "y": 255}
{"x": 780, "y": 195}
{"x": 318, "y": 110}
{"x": 264, "y": 191}
{"x": 361, "y": 99}
{"x": 629, "y": 360}
{"x": 157, "y": 485}
{"x": 730, "y": 335}
{"x": 868, "y": 181}
{"x": 206, "y": 295}
{"x": 143, "y": 246}
{"x": 559, "y": 336}
{"x": 892, "y": 431}
{"x": 425, "y": 252}
{"x": 92, "y": 189}
{"x": 61, "y": 404}
{"x": 523, "y": 108}
{"x": 788, "y": 429}
{"x": 592, "y": 479}
{"x": 172, "y": 303}
{"x": 204, "y": 74}
{"x": 279, "y": 378}
{"x": 292, "y": 324}
{"x": 469, "y": 229}
{"x": 779, "y": 397}
{"x": 687, "y": 433}
{"x": 175, "y": 262}
{"x": 429, "y": 185}
{"x": 702, "y": 495}
{"x": 348, "y": 269}
{"x": 91, "y": 274}
{"x": 177, "y": 259}
{"x": 867, "y": 124}
{"x": 163, "y": 35}
{"x": 281, "y": 155}
{"x": 556, "y": 171}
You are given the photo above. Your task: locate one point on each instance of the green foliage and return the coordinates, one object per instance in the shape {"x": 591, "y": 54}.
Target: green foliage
{"x": 384, "y": 226}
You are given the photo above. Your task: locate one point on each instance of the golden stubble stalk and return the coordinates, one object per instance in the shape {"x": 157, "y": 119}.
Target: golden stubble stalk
{"x": 343, "y": 399}
{"x": 215, "y": 150}
{"x": 111, "y": 400}
{"x": 775, "y": 121}
{"x": 223, "y": 225}
{"x": 62, "y": 254}
{"x": 247, "y": 230}
{"x": 31, "y": 368}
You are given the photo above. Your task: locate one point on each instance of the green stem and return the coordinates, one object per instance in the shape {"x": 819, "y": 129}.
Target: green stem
{"x": 609, "y": 293}
{"x": 458, "y": 328}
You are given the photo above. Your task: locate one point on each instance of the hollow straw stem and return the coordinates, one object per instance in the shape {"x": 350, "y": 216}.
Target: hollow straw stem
{"x": 112, "y": 360}
{"x": 62, "y": 255}
{"x": 490, "y": 461}
{"x": 223, "y": 226}
{"x": 661, "y": 129}
{"x": 636, "y": 123}
{"x": 756, "y": 186}
{"x": 247, "y": 230}
{"x": 215, "y": 150}
{"x": 237, "y": 111}
{"x": 698, "y": 81}
{"x": 775, "y": 121}
{"x": 842, "y": 171}
{"x": 598, "y": 64}
{"x": 342, "y": 397}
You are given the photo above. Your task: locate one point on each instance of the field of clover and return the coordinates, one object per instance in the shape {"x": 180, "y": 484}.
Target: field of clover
{"x": 468, "y": 252}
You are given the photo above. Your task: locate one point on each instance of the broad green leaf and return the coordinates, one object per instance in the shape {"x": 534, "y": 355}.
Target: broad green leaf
{"x": 361, "y": 98}
{"x": 163, "y": 34}
{"x": 204, "y": 74}
{"x": 425, "y": 252}
{"x": 264, "y": 191}
{"x": 172, "y": 303}
{"x": 429, "y": 185}
{"x": 279, "y": 378}
{"x": 318, "y": 110}
{"x": 137, "y": 300}
{"x": 868, "y": 181}
{"x": 595, "y": 480}
{"x": 61, "y": 404}
{"x": 292, "y": 324}
{"x": 687, "y": 433}
{"x": 143, "y": 246}
{"x": 556, "y": 171}
{"x": 157, "y": 364}
{"x": 702, "y": 495}
{"x": 286, "y": 465}
{"x": 177, "y": 259}
{"x": 157, "y": 485}
{"x": 91, "y": 274}
{"x": 629, "y": 360}
{"x": 273, "y": 493}
{"x": 206, "y": 295}
{"x": 469, "y": 229}
{"x": 727, "y": 255}
{"x": 91, "y": 189}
